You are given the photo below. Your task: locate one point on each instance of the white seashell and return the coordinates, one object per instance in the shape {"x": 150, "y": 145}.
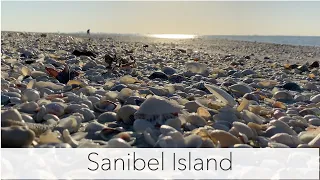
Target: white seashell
{"x": 285, "y": 127}
{"x": 251, "y": 117}
{"x": 221, "y": 95}
{"x": 126, "y": 113}
{"x": 11, "y": 114}
{"x": 30, "y": 95}
{"x": 178, "y": 139}
{"x": 68, "y": 139}
{"x": 315, "y": 99}
{"x": 118, "y": 143}
{"x": 167, "y": 142}
{"x": 140, "y": 125}
{"x": 243, "y": 128}
{"x": 149, "y": 137}
{"x": 55, "y": 108}
{"x": 193, "y": 141}
{"x": 175, "y": 123}
{"x": 196, "y": 120}
{"x": 29, "y": 107}
{"x": 157, "y": 108}
{"x": 72, "y": 123}
{"x": 284, "y": 138}
{"x": 86, "y": 143}
{"x": 127, "y": 79}
{"x": 244, "y": 105}
{"x": 165, "y": 130}
{"x": 27, "y": 118}
{"x": 50, "y": 116}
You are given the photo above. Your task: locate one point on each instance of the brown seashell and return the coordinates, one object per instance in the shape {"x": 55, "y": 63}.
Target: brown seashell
{"x": 204, "y": 113}
{"x": 225, "y": 138}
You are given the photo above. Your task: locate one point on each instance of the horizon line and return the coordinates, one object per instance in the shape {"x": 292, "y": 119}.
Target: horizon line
{"x": 145, "y": 34}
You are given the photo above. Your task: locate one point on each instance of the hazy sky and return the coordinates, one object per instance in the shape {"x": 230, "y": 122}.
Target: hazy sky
{"x": 214, "y": 18}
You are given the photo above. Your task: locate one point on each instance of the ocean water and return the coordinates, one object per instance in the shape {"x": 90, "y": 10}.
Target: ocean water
{"x": 291, "y": 40}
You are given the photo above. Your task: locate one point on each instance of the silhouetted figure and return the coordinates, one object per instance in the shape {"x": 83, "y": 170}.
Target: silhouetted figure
{"x": 88, "y": 32}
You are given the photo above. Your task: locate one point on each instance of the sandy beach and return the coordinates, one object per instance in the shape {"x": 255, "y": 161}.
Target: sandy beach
{"x": 59, "y": 90}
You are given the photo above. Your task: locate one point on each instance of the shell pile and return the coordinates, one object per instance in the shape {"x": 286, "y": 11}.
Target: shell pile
{"x": 69, "y": 92}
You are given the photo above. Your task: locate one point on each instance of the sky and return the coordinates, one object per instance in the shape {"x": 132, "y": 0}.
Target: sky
{"x": 200, "y": 18}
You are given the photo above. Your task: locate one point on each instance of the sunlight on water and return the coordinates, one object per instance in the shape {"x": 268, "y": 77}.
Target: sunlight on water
{"x": 173, "y": 36}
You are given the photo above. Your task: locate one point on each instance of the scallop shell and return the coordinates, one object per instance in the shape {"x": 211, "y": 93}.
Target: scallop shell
{"x": 157, "y": 108}
{"x": 25, "y": 71}
{"x": 221, "y": 95}
{"x": 106, "y": 106}
{"x": 128, "y": 80}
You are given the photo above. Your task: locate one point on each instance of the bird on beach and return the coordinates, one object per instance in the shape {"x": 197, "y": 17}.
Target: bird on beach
{"x": 63, "y": 76}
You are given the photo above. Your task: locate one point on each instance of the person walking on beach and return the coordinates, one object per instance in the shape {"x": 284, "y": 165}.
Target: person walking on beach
{"x": 88, "y": 32}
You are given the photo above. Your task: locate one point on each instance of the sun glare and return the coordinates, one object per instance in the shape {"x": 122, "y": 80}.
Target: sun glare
{"x": 173, "y": 36}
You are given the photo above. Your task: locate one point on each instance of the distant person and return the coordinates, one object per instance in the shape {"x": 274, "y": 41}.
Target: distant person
{"x": 88, "y": 32}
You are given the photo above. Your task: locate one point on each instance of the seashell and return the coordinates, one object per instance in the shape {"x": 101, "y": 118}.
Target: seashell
{"x": 5, "y": 99}
{"x": 49, "y": 137}
{"x": 268, "y": 83}
{"x": 94, "y": 126}
{"x": 204, "y": 113}
{"x": 49, "y": 85}
{"x": 106, "y": 106}
{"x": 72, "y": 123}
{"x": 87, "y": 114}
{"x": 68, "y": 139}
{"x": 283, "y": 96}
{"x": 72, "y": 108}
{"x": 242, "y": 89}
{"x": 284, "y": 138}
{"x": 196, "y": 67}
{"x": 25, "y": 71}
{"x": 77, "y": 83}
{"x": 38, "y": 129}
{"x": 29, "y": 107}
{"x": 177, "y": 138}
{"x": 11, "y": 114}
{"x": 126, "y": 113}
{"x": 30, "y": 95}
{"x": 315, "y": 99}
{"x": 166, "y": 142}
{"x": 315, "y": 122}
{"x": 226, "y": 139}
{"x": 278, "y": 104}
{"x": 315, "y": 143}
{"x": 12, "y": 94}
{"x": 174, "y": 122}
{"x": 31, "y": 84}
{"x": 16, "y": 137}
{"x": 27, "y": 118}
{"x": 118, "y": 143}
{"x": 244, "y": 129}
{"x": 193, "y": 141}
{"x": 93, "y": 99}
{"x": 50, "y": 116}
{"x": 165, "y": 130}
{"x": 157, "y": 110}
{"x": 127, "y": 79}
{"x": 107, "y": 117}
{"x": 150, "y": 137}
{"x": 125, "y": 136}
{"x": 141, "y": 125}
{"x": 243, "y": 105}
{"x": 251, "y": 117}
{"x": 277, "y": 145}
{"x": 107, "y": 132}
{"x": 55, "y": 108}
{"x": 242, "y": 146}
{"x": 124, "y": 94}
{"x": 285, "y": 128}
{"x": 206, "y": 138}
{"x": 221, "y": 95}
{"x": 196, "y": 120}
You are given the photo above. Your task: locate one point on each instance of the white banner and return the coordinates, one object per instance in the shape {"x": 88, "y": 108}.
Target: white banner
{"x": 138, "y": 163}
